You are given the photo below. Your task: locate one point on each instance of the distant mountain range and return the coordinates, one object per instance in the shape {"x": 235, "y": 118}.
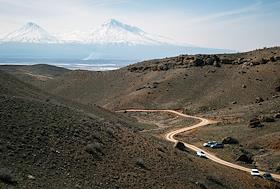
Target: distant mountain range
{"x": 112, "y": 40}
{"x": 111, "y": 32}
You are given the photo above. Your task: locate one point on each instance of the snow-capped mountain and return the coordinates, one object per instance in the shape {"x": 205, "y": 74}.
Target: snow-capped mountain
{"x": 111, "y": 32}
{"x": 115, "y": 32}
{"x": 112, "y": 40}
{"x": 30, "y": 33}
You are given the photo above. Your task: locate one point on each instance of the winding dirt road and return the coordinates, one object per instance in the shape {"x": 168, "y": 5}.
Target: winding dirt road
{"x": 203, "y": 122}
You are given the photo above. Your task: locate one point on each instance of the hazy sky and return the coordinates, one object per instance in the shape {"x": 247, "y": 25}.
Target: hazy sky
{"x": 232, "y": 24}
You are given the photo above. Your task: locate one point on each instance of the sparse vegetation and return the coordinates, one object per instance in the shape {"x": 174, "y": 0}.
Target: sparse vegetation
{"x": 56, "y": 137}
{"x": 6, "y": 176}
{"x": 229, "y": 140}
{"x": 140, "y": 162}
{"x": 180, "y": 145}
{"x": 94, "y": 148}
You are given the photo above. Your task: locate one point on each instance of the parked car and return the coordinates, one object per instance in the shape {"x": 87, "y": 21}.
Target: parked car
{"x": 201, "y": 154}
{"x": 217, "y": 145}
{"x": 267, "y": 176}
{"x": 255, "y": 172}
{"x": 209, "y": 143}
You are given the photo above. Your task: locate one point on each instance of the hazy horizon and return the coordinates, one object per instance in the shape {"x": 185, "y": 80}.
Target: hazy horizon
{"x": 236, "y": 25}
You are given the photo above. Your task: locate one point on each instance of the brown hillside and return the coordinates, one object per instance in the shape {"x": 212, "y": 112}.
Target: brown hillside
{"x": 185, "y": 81}
{"x": 44, "y": 144}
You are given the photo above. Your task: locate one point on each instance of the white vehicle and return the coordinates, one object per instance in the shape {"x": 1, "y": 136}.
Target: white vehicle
{"x": 217, "y": 145}
{"x": 201, "y": 154}
{"x": 209, "y": 143}
{"x": 255, "y": 172}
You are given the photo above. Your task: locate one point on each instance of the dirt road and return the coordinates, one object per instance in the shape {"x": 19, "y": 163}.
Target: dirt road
{"x": 170, "y": 136}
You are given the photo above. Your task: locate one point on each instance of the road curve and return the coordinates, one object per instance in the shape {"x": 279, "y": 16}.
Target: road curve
{"x": 203, "y": 122}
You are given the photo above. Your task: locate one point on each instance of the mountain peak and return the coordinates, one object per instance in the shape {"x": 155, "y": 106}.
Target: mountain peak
{"x": 113, "y": 23}
{"x": 30, "y": 33}
{"x": 32, "y": 24}
{"x": 115, "y": 32}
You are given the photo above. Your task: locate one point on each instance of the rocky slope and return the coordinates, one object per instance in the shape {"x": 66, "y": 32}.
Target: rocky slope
{"x": 198, "y": 83}
{"x": 47, "y": 143}
{"x": 51, "y": 142}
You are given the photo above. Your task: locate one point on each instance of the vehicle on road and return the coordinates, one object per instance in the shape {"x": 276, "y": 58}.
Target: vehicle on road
{"x": 201, "y": 154}
{"x": 267, "y": 176}
{"x": 217, "y": 145}
{"x": 255, "y": 172}
{"x": 209, "y": 143}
